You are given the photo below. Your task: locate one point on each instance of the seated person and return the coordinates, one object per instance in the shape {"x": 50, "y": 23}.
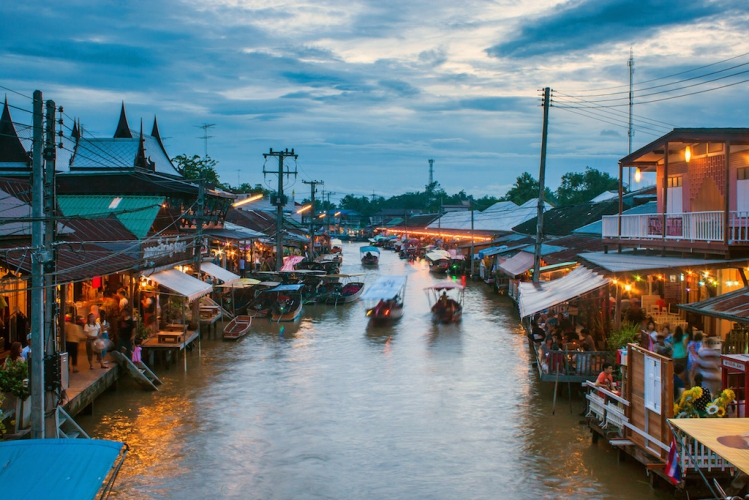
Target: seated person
{"x": 589, "y": 344}
{"x": 606, "y": 378}
{"x": 678, "y": 382}
{"x": 546, "y": 348}
{"x": 537, "y": 333}
{"x": 662, "y": 347}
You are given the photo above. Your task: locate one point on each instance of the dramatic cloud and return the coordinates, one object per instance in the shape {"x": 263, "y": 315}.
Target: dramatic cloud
{"x": 369, "y": 89}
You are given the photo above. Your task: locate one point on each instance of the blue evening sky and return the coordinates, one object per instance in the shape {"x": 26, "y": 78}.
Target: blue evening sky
{"x": 367, "y": 91}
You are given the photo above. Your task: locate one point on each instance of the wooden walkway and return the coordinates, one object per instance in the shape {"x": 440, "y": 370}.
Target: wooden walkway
{"x": 86, "y": 385}
{"x": 168, "y": 352}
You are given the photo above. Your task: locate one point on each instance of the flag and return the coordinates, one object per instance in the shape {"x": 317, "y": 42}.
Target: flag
{"x": 672, "y": 464}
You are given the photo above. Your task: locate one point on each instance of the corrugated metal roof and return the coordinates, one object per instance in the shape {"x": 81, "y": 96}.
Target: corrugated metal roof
{"x": 596, "y": 227}
{"x": 137, "y": 213}
{"x": 629, "y": 262}
{"x": 545, "y": 248}
{"x": 733, "y": 306}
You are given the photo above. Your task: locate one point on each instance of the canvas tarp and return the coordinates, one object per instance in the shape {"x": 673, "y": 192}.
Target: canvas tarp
{"x": 535, "y": 297}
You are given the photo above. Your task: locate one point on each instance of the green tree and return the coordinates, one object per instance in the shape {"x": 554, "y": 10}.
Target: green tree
{"x": 192, "y": 166}
{"x": 580, "y": 187}
{"x": 246, "y": 187}
{"x": 526, "y": 188}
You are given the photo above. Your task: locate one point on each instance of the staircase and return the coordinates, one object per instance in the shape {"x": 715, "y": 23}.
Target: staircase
{"x": 67, "y": 427}
{"x": 139, "y": 371}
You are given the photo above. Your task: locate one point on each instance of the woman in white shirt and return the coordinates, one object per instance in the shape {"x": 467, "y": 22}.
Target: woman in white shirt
{"x": 92, "y": 331}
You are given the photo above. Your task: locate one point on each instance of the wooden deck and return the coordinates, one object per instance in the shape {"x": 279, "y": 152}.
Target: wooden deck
{"x": 168, "y": 352}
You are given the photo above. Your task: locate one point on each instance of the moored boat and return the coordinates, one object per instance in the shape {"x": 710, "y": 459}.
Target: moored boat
{"x": 446, "y": 301}
{"x": 259, "y": 305}
{"x": 288, "y": 302}
{"x": 346, "y": 291}
{"x": 383, "y": 300}
{"x": 439, "y": 261}
{"x": 370, "y": 256}
{"x": 238, "y": 327}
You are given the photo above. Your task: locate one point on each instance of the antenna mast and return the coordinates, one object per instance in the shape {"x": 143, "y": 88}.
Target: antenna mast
{"x": 431, "y": 171}
{"x": 631, "y": 131}
{"x": 205, "y": 136}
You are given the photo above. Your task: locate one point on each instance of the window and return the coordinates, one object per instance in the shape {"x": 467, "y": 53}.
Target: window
{"x": 743, "y": 174}
{"x": 653, "y": 384}
{"x": 675, "y": 181}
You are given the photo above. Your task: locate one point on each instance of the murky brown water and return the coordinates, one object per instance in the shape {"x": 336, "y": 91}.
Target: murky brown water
{"x": 332, "y": 407}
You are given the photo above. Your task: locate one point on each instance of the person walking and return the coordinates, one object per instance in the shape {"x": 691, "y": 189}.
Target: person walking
{"x": 242, "y": 264}
{"x": 73, "y": 335}
{"x": 125, "y": 334}
{"x": 105, "y": 327}
{"x": 93, "y": 332}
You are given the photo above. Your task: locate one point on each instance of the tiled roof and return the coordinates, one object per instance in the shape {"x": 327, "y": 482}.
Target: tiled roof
{"x": 112, "y": 154}
{"x": 137, "y": 213}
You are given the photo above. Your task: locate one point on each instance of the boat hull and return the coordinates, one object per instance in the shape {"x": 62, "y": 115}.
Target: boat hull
{"x": 447, "y": 317}
{"x": 291, "y": 315}
{"x": 238, "y": 328}
{"x": 370, "y": 261}
{"x": 346, "y": 296}
{"x": 385, "y": 314}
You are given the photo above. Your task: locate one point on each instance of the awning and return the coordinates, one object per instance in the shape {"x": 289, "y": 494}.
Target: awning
{"x": 733, "y": 306}
{"x": 291, "y": 261}
{"x": 517, "y": 264}
{"x": 242, "y": 231}
{"x": 535, "y": 297}
{"x": 219, "y": 273}
{"x": 631, "y": 262}
{"x": 369, "y": 249}
{"x": 725, "y": 436}
{"x": 488, "y": 252}
{"x": 287, "y": 288}
{"x": 385, "y": 288}
{"x": 56, "y": 468}
{"x": 181, "y": 283}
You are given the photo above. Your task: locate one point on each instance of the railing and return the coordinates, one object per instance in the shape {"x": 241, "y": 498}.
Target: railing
{"x": 690, "y": 226}
{"x": 607, "y": 408}
{"x": 695, "y": 453}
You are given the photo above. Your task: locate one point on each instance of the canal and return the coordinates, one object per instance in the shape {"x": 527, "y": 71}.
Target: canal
{"x": 331, "y": 407}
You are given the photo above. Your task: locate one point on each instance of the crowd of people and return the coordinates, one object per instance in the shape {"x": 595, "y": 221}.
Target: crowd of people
{"x": 556, "y": 333}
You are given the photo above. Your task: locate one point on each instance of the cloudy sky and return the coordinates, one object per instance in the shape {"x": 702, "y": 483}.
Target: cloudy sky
{"x": 367, "y": 91}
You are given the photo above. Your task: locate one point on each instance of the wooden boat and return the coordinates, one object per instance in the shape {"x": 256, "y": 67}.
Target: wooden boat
{"x": 238, "y": 328}
{"x": 259, "y": 306}
{"x": 288, "y": 302}
{"x": 384, "y": 299}
{"x": 439, "y": 261}
{"x": 446, "y": 301}
{"x": 370, "y": 256}
{"x": 345, "y": 292}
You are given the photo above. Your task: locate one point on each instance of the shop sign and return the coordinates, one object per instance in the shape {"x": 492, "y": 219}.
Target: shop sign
{"x": 734, "y": 364}
{"x": 165, "y": 248}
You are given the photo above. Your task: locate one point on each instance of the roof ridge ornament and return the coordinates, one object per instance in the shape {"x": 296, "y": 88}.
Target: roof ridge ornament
{"x": 123, "y": 129}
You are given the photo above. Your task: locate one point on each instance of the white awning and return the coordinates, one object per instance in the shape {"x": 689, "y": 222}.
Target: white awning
{"x": 219, "y": 273}
{"x": 535, "y": 297}
{"x": 181, "y": 283}
{"x": 517, "y": 264}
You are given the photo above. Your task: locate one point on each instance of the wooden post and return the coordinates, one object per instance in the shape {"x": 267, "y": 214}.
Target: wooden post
{"x": 726, "y": 215}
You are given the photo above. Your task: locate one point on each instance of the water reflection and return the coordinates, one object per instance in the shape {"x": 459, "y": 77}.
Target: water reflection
{"x": 333, "y": 407}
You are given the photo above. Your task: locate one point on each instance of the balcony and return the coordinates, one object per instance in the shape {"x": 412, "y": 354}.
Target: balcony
{"x": 700, "y": 228}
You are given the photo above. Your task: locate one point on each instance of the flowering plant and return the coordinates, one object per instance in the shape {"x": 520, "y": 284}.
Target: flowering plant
{"x": 685, "y": 408}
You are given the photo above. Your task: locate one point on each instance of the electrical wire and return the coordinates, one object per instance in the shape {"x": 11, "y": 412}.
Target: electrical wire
{"x": 636, "y": 117}
{"x": 16, "y": 92}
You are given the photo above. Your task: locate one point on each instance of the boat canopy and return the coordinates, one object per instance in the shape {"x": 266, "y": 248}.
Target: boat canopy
{"x": 270, "y": 284}
{"x": 449, "y": 285}
{"x": 535, "y": 297}
{"x": 436, "y": 255}
{"x": 385, "y": 288}
{"x": 303, "y": 271}
{"x": 343, "y": 275}
{"x": 182, "y": 283}
{"x": 335, "y": 242}
{"x": 724, "y": 436}
{"x": 287, "y": 288}
{"x": 219, "y": 273}
{"x": 242, "y": 283}
{"x": 369, "y": 249}
{"x": 57, "y": 468}
{"x": 290, "y": 262}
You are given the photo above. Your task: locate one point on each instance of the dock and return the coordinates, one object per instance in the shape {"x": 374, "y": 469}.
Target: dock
{"x": 168, "y": 352}
{"x": 87, "y": 385}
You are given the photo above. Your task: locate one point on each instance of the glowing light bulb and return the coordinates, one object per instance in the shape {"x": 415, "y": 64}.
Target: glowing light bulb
{"x": 638, "y": 175}
{"x": 688, "y": 154}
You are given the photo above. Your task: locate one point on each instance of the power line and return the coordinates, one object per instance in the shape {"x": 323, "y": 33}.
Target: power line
{"x": 16, "y": 92}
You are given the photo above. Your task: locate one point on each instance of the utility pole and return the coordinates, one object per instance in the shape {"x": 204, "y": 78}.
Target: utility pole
{"x": 541, "y": 188}
{"x": 280, "y": 199}
{"x": 313, "y": 190}
{"x": 631, "y": 131}
{"x": 472, "y": 250}
{"x": 327, "y": 211}
{"x": 49, "y": 345}
{"x": 205, "y": 136}
{"x": 37, "y": 279}
{"x": 431, "y": 172}
{"x": 198, "y": 257}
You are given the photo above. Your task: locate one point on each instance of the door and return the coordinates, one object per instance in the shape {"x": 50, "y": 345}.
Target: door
{"x": 742, "y": 190}
{"x": 674, "y": 202}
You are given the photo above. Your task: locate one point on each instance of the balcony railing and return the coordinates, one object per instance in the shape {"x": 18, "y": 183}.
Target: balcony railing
{"x": 691, "y": 226}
